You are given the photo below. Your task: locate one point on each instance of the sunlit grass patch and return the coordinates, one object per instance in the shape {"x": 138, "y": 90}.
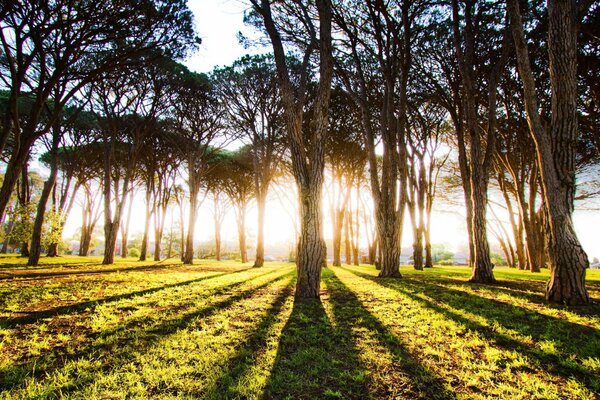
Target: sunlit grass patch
{"x": 228, "y": 331}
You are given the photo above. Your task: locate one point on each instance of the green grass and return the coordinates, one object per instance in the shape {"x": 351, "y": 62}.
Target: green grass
{"x": 73, "y": 328}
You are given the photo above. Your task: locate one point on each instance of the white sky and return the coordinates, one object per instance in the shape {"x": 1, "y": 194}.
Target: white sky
{"x": 218, "y": 22}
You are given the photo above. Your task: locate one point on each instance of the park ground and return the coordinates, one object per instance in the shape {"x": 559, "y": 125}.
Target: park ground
{"x": 73, "y": 328}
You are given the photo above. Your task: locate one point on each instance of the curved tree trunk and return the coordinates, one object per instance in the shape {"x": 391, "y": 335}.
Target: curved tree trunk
{"x": 555, "y": 151}
{"x": 36, "y": 237}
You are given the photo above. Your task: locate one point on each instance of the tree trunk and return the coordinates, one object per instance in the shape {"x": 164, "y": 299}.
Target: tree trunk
{"x": 482, "y": 264}
{"x": 259, "y": 258}
{"x": 144, "y": 246}
{"x": 556, "y": 150}
{"x": 347, "y": 245}
{"x": 25, "y": 249}
{"x": 311, "y": 246}
{"x": 36, "y": 237}
{"x": 338, "y": 219}
{"x": 110, "y": 234}
{"x": 52, "y": 250}
{"x": 241, "y": 225}
{"x": 12, "y": 173}
{"x": 188, "y": 257}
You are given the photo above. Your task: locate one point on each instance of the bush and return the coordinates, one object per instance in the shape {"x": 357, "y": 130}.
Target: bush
{"x": 133, "y": 252}
{"x": 446, "y": 262}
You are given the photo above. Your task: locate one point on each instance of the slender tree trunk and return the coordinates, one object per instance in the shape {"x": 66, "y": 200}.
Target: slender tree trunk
{"x": 36, "y": 237}
{"x": 259, "y": 258}
{"x": 347, "y": 245}
{"x": 241, "y": 225}
{"x": 144, "y": 247}
{"x": 338, "y": 218}
{"x": 188, "y": 257}
{"x": 125, "y": 231}
{"x": 11, "y": 175}
{"x": 158, "y": 233}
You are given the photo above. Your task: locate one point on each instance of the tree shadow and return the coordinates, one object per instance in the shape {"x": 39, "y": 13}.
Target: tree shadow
{"x": 409, "y": 378}
{"x": 572, "y": 339}
{"x": 96, "y": 271}
{"x": 133, "y": 336}
{"x": 314, "y": 359}
{"x": 35, "y": 316}
{"x": 227, "y": 386}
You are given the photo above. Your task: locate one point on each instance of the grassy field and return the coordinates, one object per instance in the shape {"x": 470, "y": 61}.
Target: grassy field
{"x": 72, "y": 328}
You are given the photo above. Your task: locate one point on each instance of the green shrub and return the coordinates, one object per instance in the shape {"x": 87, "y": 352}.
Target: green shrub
{"x": 446, "y": 262}
{"x": 133, "y": 252}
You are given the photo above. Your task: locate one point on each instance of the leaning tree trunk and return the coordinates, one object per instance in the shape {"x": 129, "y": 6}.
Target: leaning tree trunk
{"x": 556, "y": 150}
{"x": 36, "y": 237}
{"x": 569, "y": 260}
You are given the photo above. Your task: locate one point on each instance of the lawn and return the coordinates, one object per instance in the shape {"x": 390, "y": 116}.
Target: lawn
{"x": 72, "y": 328}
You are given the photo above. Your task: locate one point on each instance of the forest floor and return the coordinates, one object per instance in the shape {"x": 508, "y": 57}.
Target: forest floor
{"x": 72, "y": 328}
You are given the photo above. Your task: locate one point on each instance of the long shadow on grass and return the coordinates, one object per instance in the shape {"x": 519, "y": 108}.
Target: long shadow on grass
{"x": 73, "y": 308}
{"x": 100, "y": 270}
{"x": 130, "y": 337}
{"x": 314, "y": 359}
{"x": 578, "y": 340}
{"x": 350, "y": 314}
{"x": 249, "y": 351}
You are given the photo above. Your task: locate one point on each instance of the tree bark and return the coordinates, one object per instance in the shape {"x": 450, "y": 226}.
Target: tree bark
{"x": 259, "y": 259}
{"x": 36, "y": 237}
{"x": 144, "y": 247}
{"x": 241, "y": 225}
{"x": 188, "y": 257}
{"x": 556, "y": 148}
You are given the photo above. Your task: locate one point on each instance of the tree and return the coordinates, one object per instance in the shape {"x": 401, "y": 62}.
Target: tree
{"x": 554, "y": 145}
{"x": 239, "y": 185}
{"x": 375, "y": 65}
{"x": 198, "y": 120}
{"x": 307, "y": 148}
{"x": 52, "y": 50}
{"x": 252, "y": 97}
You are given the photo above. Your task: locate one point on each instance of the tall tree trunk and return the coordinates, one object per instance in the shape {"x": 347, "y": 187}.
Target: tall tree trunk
{"x": 338, "y": 218}
{"x": 12, "y": 173}
{"x": 482, "y": 263}
{"x": 144, "y": 247}
{"x": 311, "y": 246}
{"x": 556, "y": 149}
{"x": 259, "y": 258}
{"x": 188, "y": 257}
{"x": 125, "y": 231}
{"x": 241, "y": 225}
{"x": 36, "y": 237}
{"x": 347, "y": 245}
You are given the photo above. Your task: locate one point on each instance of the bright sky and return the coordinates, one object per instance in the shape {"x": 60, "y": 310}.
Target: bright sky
{"x": 218, "y": 23}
